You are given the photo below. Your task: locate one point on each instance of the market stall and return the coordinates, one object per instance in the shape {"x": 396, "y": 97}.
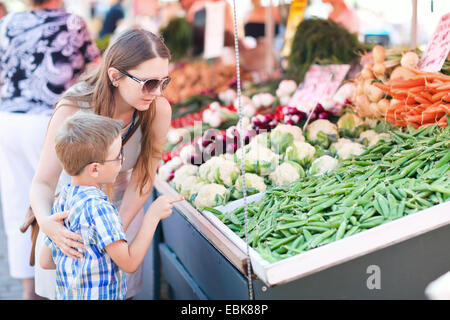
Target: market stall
{"x": 330, "y": 182}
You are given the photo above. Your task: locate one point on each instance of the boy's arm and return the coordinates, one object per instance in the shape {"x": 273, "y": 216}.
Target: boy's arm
{"x": 46, "y": 259}
{"x": 130, "y": 257}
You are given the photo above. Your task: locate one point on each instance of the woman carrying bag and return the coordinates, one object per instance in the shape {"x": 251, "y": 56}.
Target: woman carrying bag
{"x": 42, "y": 52}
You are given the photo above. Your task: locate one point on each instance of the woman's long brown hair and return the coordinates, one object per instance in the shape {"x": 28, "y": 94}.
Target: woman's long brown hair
{"x": 125, "y": 52}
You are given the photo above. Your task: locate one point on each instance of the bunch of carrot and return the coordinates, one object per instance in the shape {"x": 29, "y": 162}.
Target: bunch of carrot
{"x": 419, "y": 101}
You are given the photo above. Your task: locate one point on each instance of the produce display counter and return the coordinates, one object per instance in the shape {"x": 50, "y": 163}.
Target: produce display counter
{"x": 203, "y": 259}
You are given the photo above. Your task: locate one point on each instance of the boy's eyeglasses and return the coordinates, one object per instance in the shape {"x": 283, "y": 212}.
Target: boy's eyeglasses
{"x": 119, "y": 158}
{"x": 150, "y": 85}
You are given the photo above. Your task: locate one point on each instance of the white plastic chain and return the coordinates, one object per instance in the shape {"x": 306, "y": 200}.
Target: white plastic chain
{"x": 242, "y": 142}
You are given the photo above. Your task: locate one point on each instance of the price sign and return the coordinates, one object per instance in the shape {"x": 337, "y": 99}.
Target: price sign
{"x": 296, "y": 15}
{"x": 320, "y": 83}
{"x": 214, "y": 29}
{"x": 438, "y": 48}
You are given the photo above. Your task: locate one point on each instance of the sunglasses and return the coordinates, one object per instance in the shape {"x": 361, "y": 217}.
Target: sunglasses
{"x": 150, "y": 85}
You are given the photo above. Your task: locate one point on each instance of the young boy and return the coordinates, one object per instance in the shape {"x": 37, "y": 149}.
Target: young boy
{"x": 90, "y": 149}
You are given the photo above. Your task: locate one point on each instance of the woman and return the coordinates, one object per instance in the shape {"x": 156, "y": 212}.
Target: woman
{"x": 256, "y": 22}
{"x": 42, "y": 52}
{"x": 126, "y": 86}
{"x": 344, "y": 15}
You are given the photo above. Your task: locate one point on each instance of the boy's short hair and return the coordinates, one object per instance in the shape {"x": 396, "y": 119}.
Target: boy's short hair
{"x": 83, "y": 138}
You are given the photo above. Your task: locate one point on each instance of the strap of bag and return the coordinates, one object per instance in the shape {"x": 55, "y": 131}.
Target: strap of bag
{"x": 109, "y": 188}
{"x": 133, "y": 130}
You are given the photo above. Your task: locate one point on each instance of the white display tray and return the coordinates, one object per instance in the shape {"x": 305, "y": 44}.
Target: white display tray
{"x": 337, "y": 252}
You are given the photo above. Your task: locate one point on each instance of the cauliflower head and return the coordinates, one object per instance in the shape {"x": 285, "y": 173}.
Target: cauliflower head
{"x": 190, "y": 186}
{"x": 322, "y": 132}
{"x": 350, "y": 125}
{"x": 219, "y": 170}
{"x": 261, "y": 139}
{"x": 211, "y": 195}
{"x": 258, "y": 159}
{"x": 253, "y": 182}
{"x": 345, "y": 148}
{"x": 286, "y": 173}
{"x": 283, "y": 136}
{"x": 301, "y": 152}
{"x": 323, "y": 165}
{"x": 371, "y": 137}
{"x": 182, "y": 173}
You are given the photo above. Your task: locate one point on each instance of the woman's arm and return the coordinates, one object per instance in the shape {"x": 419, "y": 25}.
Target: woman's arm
{"x": 132, "y": 201}
{"x": 46, "y": 259}
{"x": 42, "y": 192}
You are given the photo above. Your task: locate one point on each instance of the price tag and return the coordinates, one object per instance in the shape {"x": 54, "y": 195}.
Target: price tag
{"x": 320, "y": 83}
{"x": 214, "y": 29}
{"x": 438, "y": 48}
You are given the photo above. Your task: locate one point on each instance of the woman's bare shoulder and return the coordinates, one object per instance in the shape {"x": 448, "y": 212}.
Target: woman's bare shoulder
{"x": 66, "y": 105}
{"x": 64, "y": 109}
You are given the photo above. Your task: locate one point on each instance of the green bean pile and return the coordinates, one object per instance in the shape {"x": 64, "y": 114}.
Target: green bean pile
{"x": 393, "y": 178}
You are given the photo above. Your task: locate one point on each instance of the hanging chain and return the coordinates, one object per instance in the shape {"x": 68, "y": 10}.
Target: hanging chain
{"x": 242, "y": 141}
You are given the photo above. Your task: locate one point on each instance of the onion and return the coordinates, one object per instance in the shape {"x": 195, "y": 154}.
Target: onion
{"x": 401, "y": 72}
{"x": 210, "y": 135}
{"x": 323, "y": 115}
{"x": 409, "y": 60}
{"x": 209, "y": 152}
{"x": 379, "y": 68}
{"x": 362, "y": 102}
{"x": 374, "y": 94}
{"x": 206, "y": 142}
{"x": 383, "y": 105}
{"x": 231, "y": 148}
{"x": 366, "y": 74}
{"x": 359, "y": 89}
{"x": 196, "y": 159}
{"x": 378, "y": 54}
{"x": 393, "y": 102}
{"x": 319, "y": 108}
{"x": 373, "y": 110}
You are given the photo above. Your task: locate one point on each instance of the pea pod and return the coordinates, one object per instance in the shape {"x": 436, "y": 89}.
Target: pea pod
{"x": 281, "y": 242}
{"x": 318, "y": 239}
{"x": 341, "y": 230}
{"x": 372, "y": 222}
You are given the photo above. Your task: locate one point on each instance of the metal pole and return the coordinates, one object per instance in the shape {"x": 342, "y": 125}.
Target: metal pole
{"x": 414, "y": 25}
{"x": 269, "y": 31}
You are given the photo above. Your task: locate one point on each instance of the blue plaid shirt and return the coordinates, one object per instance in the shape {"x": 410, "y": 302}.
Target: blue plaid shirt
{"x": 95, "y": 276}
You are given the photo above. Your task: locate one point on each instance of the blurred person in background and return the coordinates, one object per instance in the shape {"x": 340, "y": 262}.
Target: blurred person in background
{"x": 344, "y": 15}
{"x": 256, "y": 22}
{"x": 3, "y": 11}
{"x": 42, "y": 52}
{"x": 113, "y": 17}
{"x": 196, "y": 16}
